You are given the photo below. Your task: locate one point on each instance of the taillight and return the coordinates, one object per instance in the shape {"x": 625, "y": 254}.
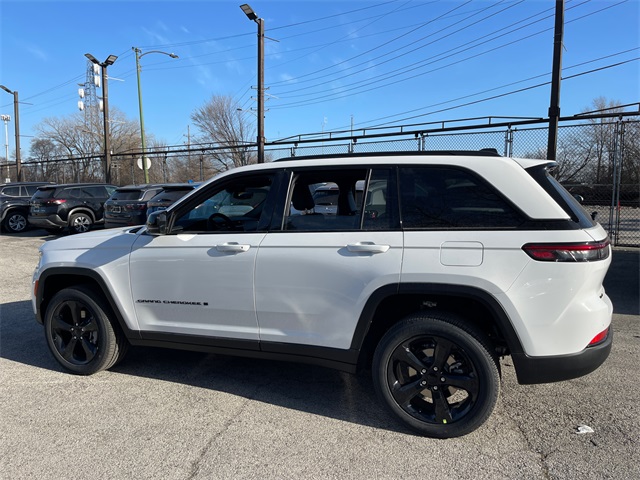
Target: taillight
{"x": 135, "y": 206}
{"x": 59, "y": 201}
{"x": 568, "y": 252}
{"x": 599, "y": 337}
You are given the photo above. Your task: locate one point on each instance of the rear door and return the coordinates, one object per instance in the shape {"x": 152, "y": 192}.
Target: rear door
{"x": 317, "y": 269}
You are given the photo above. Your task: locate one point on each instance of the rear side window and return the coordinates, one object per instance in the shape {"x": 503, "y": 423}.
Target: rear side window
{"x": 452, "y": 198}
{"x": 569, "y": 204}
{"x": 11, "y": 191}
{"x": 31, "y": 189}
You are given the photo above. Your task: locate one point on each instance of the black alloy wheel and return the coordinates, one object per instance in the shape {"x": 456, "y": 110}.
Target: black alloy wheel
{"x": 437, "y": 375}
{"x": 79, "y": 332}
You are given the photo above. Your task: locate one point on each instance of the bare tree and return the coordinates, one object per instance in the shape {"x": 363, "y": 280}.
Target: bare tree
{"x": 74, "y": 138}
{"x": 221, "y": 123}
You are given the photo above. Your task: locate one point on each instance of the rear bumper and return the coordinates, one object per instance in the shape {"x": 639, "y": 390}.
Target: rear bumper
{"x": 530, "y": 370}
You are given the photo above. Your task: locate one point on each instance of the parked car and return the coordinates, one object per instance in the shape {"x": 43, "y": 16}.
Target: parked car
{"x": 445, "y": 263}
{"x": 170, "y": 193}
{"x": 14, "y": 204}
{"x": 78, "y": 206}
{"x": 128, "y": 205}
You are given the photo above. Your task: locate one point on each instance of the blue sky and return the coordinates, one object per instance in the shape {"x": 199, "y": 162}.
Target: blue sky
{"x": 327, "y": 64}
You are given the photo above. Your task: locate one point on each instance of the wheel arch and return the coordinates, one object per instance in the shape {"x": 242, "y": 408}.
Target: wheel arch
{"x": 390, "y": 304}
{"x": 52, "y": 280}
{"x": 84, "y": 210}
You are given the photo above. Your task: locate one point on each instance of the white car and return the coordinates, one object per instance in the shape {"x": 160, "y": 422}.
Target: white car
{"x": 442, "y": 265}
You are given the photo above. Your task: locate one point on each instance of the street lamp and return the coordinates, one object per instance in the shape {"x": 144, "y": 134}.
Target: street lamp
{"x": 6, "y": 119}
{"x": 105, "y": 110}
{"x": 251, "y": 15}
{"x": 138, "y": 68}
{"x": 16, "y": 115}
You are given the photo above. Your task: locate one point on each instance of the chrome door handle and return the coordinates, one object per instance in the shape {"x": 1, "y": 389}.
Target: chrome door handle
{"x": 367, "y": 247}
{"x": 232, "y": 247}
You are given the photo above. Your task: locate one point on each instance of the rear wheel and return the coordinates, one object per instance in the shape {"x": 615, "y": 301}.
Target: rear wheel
{"x": 437, "y": 375}
{"x": 80, "y": 223}
{"x": 15, "y": 222}
{"x": 79, "y": 332}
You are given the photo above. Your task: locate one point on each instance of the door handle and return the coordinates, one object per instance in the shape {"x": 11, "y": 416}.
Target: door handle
{"x": 367, "y": 247}
{"x": 232, "y": 247}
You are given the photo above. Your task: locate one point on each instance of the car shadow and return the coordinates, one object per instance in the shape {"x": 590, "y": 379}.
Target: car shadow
{"x": 306, "y": 388}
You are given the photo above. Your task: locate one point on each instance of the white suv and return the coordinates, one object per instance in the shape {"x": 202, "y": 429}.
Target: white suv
{"x": 444, "y": 263}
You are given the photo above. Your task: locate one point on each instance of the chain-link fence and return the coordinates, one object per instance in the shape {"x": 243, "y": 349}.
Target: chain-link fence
{"x": 598, "y": 159}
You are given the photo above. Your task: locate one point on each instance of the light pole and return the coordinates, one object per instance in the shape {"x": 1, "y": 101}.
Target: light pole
{"x": 6, "y": 119}
{"x": 105, "y": 110}
{"x": 139, "y": 55}
{"x": 16, "y": 116}
{"x": 251, "y": 15}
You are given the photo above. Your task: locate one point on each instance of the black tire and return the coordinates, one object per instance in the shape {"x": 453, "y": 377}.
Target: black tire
{"x": 79, "y": 332}
{"x": 436, "y": 374}
{"x": 80, "y": 223}
{"x": 15, "y": 222}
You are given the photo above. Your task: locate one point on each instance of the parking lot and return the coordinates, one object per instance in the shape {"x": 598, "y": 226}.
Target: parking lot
{"x": 182, "y": 415}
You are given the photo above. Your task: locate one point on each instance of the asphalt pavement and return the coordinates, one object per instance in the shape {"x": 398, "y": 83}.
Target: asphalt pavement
{"x": 164, "y": 414}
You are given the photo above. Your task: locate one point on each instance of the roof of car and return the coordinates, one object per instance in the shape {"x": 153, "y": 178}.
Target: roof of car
{"x": 67, "y": 185}
{"x": 144, "y": 186}
{"x": 16, "y": 184}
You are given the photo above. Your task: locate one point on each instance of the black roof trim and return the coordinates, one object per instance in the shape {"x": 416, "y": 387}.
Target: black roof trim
{"x": 485, "y": 152}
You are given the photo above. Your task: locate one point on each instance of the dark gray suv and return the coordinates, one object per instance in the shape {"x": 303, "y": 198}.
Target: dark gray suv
{"x": 78, "y": 206}
{"x": 128, "y": 205}
{"x": 14, "y": 204}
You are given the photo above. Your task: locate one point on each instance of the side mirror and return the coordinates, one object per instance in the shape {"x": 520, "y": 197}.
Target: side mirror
{"x": 579, "y": 198}
{"x": 157, "y": 223}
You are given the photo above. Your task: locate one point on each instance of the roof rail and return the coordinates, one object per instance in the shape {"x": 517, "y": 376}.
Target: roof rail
{"x": 484, "y": 152}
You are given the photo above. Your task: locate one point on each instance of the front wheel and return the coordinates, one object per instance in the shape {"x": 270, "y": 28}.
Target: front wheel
{"x": 437, "y": 375}
{"x": 79, "y": 332}
{"x": 80, "y": 223}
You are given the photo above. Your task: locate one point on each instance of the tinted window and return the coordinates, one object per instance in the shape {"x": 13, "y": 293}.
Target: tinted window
{"x": 380, "y": 203}
{"x": 11, "y": 191}
{"x": 441, "y": 197}
{"x": 126, "y": 195}
{"x": 236, "y": 205}
{"x": 95, "y": 192}
{"x": 44, "y": 193}
{"x": 325, "y": 200}
{"x": 170, "y": 195}
{"x": 31, "y": 189}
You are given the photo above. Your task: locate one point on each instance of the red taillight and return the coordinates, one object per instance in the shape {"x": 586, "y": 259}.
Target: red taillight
{"x": 599, "y": 337}
{"x": 568, "y": 252}
{"x": 135, "y": 206}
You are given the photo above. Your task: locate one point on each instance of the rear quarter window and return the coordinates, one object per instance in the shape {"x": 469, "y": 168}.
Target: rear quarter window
{"x": 452, "y": 198}
{"x": 542, "y": 175}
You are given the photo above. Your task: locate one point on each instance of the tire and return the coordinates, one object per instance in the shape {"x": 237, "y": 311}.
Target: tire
{"x": 79, "y": 332}
{"x": 436, "y": 374}
{"x": 15, "y": 222}
{"x": 80, "y": 223}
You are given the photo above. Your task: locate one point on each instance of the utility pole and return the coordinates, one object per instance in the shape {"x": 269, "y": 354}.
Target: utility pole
{"x": 556, "y": 77}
